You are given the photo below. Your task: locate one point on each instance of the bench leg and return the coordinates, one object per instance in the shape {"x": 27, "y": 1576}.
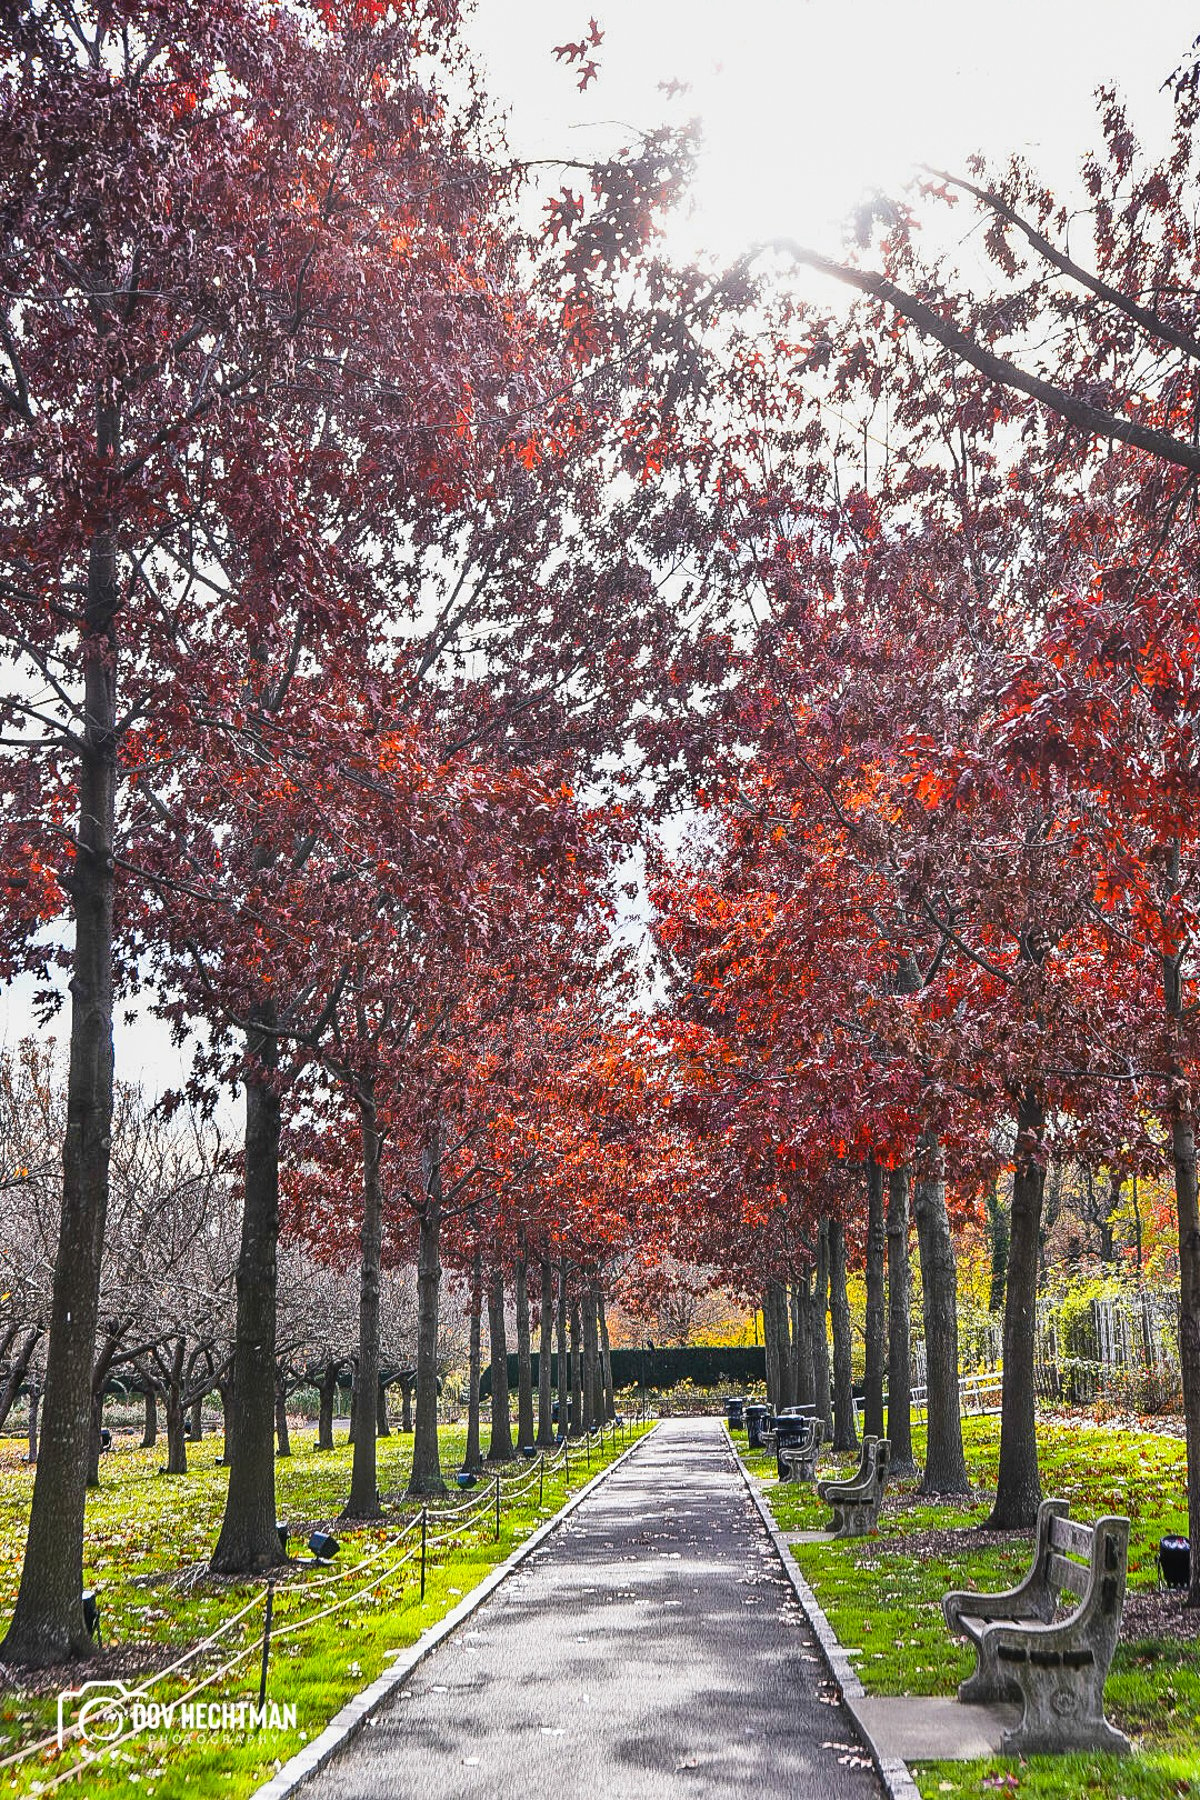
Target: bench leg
{"x": 1064, "y": 1710}
{"x": 858, "y": 1518}
{"x": 989, "y": 1682}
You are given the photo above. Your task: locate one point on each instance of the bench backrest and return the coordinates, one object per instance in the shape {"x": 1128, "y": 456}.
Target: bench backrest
{"x": 1088, "y": 1561}
{"x": 866, "y": 1462}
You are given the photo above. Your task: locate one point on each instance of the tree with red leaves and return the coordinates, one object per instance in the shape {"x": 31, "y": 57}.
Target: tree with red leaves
{"x": 226, "y": 358}
{"x": 1086, "y": 365}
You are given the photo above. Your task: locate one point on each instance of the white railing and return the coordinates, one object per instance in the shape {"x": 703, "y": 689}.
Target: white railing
{"x": 976, "y": 1394}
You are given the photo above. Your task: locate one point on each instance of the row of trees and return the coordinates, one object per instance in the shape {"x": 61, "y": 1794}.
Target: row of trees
{"x": 336, "y": 643}
{"x": 167, "y": 1297}
{"x": 942, "y": 919}
{"x": 377, "y": 569}
{"x": 168, "y": 1304}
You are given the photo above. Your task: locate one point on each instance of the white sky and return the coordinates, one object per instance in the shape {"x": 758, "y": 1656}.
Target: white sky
{"x": 806, "y": 106}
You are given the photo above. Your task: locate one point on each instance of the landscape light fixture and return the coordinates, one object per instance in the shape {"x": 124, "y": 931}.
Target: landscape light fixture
{"x": 91, "y": 1615}
{"x": 323, "y": 1546}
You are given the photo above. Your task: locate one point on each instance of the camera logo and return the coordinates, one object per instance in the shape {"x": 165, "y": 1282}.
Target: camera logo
{"x": 97, "y": 1710}
{"x": 105, "y": 1712}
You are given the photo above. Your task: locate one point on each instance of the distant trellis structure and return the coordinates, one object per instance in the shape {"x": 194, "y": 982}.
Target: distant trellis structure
{"x": 1120, "y": 1347}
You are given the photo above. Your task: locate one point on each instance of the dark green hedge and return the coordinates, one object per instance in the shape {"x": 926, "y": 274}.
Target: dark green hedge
{"x": 704, "y": 1365}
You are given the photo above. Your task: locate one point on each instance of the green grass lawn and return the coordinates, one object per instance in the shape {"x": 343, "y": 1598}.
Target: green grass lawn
{"x": 883, "y": 1599}
{"x": 148, "y": 1536}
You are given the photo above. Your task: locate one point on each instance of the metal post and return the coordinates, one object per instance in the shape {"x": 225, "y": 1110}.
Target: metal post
{"x": 541, "y": 1477}
{"x": 567, "y": 1459}
{"x": 587, "y": 1444}
{"x": 266, "y": 1650}
{"x": 424, "y": 1531}
{"x": 497, "y": 1509}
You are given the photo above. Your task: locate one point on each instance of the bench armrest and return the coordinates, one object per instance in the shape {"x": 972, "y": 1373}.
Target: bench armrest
{"x": 1032, "y": 1599}
{"x": 846, "y": 1490}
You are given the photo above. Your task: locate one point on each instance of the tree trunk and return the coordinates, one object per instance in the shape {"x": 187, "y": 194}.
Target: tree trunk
{"x": 47, "y": 1624}
{"x": 225, "y": 1389}
{"x": 363, "y": 1502}
{"x": 997, "y": 1221}
{"x": 576, "y": 1370}
{"x": 945, "y": 1464}
{"x": 564, "y": 1374}
{"x": 326, "y": 1390}
{"x": 31, "y": 1435}
{"x": 382, "y": 1426}
{"x": 801, "y": 1388}
{"x": 426, "y": 1476}
{"x": 95, "y": 1426}
{"x": 500, "y": 1444}
{"x": 818, "y": 1330}
{"x": 545, "y": 1427}
{"x": 524, "y": 1356}
{"x": 406, "y": 1421}
{"x": 874, "y": 1323}
{"x": 845, "y": 1431}
{"x": 610, "y": 1398}
{"x": 784, "y": 1360}
{"x": 197, "y": 1418}
{"x": 598, "y": 1413}
{"x": 175, "y": 1409}
{"x": 283, "y": 1438}
{"x": 473, "y": 1459}
{"x": 150, "y": 1428}
{"x": 899, "y": 1415}
{"x": 1183, "y": 1152}
{"x": 1019, "y": 1488}
{"x": 18, "y": 1370}
{"x": 591, "y": 1361}
{"x": 771, "y": 1343}
{"x": 248, "y": 1542}
{"x": 1187, "y": 1209}
{"x": 176, "y": 1439}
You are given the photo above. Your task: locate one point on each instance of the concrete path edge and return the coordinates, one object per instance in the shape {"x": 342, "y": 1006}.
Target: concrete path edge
{"x": 893, "y": 1773}
{"x": 357, "y": 1711}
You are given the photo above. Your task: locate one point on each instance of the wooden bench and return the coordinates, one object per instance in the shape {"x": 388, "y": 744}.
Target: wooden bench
{"x": 1056, "y": 1667}
{"x": 799, "y": 1461}
{"x": 856, "y": 1502}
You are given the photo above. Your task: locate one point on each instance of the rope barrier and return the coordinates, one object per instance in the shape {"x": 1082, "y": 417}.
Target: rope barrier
{"x": 347, "y": 1600}
{"x": 150, "y": 1681}
{"x": 86, "y": 1762}
{"x": 475, "y": 1507}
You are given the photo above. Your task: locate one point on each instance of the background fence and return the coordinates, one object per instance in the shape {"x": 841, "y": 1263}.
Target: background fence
{"x": 1119, "y": 1347}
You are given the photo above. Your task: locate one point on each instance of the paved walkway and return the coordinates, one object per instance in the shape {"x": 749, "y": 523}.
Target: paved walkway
{"x": 651, "y": 1645}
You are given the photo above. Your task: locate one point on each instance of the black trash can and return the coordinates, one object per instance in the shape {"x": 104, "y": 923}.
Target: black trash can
{"x": 1174, "y": 1559}
{"x": 735, "y": 1412}
{"x": 756, "y": 1415}
{"x": 790, "y": 1427}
